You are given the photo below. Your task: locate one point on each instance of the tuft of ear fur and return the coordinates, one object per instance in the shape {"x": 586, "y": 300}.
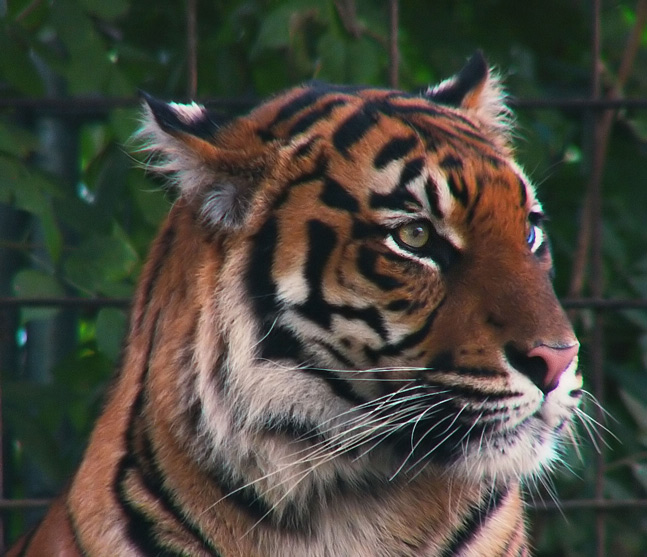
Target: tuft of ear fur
{"x": 181, "y": 142}
{"x": 478, "y": 90}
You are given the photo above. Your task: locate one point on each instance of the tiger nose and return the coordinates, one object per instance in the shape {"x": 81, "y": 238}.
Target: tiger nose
{"x": 556, "y": 360}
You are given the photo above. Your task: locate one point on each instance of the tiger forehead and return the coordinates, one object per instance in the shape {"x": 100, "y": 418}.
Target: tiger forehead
{"x": 393, "y": 151}
{"x": 346, "y": 114}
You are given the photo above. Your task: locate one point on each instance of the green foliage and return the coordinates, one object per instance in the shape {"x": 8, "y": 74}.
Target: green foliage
{"x": 84, "y": 216}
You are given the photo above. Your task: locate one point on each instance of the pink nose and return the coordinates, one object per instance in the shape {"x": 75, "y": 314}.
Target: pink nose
{"x": 557, "y": 360}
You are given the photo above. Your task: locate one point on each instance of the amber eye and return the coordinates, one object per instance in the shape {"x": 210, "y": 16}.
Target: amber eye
{"x": 414, "y": 235}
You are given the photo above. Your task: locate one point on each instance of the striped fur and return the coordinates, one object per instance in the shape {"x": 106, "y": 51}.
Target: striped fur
{"x": 345, "y": 341}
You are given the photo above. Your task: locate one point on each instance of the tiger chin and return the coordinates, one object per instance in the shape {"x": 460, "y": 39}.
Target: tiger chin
{"x": 345, "y": 341}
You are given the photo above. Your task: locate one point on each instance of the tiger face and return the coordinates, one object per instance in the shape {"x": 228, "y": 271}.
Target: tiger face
{"x": 383, "y": 293}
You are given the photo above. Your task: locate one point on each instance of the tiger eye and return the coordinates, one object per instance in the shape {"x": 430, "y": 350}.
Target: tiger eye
{"x": 414, "y": 235}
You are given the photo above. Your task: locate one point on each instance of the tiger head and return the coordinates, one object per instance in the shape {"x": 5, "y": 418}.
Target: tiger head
{"x": 380, "y": 289}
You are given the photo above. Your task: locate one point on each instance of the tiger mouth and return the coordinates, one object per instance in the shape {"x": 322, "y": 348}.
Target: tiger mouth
{"x": 464, "y": 422}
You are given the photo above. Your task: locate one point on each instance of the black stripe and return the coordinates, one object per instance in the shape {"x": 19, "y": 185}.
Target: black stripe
{"x": 411, "y": 171}
{"x": 474, "y": 521}
{"x": 141, "y": 528}
{"x": 442, "y": 361}
{"x": 336, "y": 354}
{"x": 407, "y": 342}
{"x": 421, "y": 109}
{"x": 338, "y": 385}
{"x": 313, "y": 116}
{"x": 243, "y": 496}
{"x": 450, "y": 162}
{"x": 322, "y": 240}
{"x": 472, "y": 210}
{"x": 434, "y": 136}
{"x": 394, "y": 149}
{"x": 335, "y": 196}
{"x": 258, "y": 279}
{"x": 431, "y": 190}
{"x": 308, "y": 97}
{"x": 320, "y": 312}
{"x": 306, "y": 148}
{"x": 432, "y": 142}
{"x": 473, "y": 393}
{"x": 353, "y": 128}
{"x": 429, "y": 114}
{"x": 247, "y": 499}
{"x": 140, "y": 460}
{"x": 155, "y": 486}
{"x": 458, "y": 188}
{"x": 279, "y": 344}
{"x": 398, "y": 199}
{"x": 398, "y": 305}
{"x": 318, "y": 172}
{"x": 362, "y": 230}
{"x": 366, "y": 262}
{"x": 289, "y": 425}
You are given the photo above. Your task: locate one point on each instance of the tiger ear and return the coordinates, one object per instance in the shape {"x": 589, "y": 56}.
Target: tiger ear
{"x": 181, "y": 141}
{"x": 476, "y": 89}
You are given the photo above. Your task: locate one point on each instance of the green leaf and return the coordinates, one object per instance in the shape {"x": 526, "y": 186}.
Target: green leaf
{"x": 363, "y": 61}
{"x": 640, "y": 473}
{"x": 87, "y": 63}
{"x": 30, "y": 283}
{"x": 332, "y": 55}
{"x": 152, "y": 202}
{"x": 28, "y": 189}
{"x": 105, "y": 10}
{"x": 636, "y": 408}
{"x": 15, "y": 181}
{"x": 16, "y": 141}
{"x": 275, "y": 30}
{"x": 16, "y": 64}
{"x": 100, "y": 261}
{"x": 52, "y": 233}
{"x": 111, "y": 327}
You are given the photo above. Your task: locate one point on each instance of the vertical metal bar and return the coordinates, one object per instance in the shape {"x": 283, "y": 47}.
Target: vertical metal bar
{"x": 597, "y": 281}
{"x": 2, "y": 518}
{"x": 192, "y": 48}
{"x": 394, "y": 54}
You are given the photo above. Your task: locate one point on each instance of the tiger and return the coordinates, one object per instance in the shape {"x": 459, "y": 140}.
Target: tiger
{"x": 345, "y": 340}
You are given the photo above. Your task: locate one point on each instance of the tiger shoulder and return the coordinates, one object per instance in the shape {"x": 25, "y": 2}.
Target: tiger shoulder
{"x": 345, "y": 341}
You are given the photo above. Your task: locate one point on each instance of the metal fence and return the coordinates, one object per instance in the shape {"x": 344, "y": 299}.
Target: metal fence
{"x": 598, "y": 107}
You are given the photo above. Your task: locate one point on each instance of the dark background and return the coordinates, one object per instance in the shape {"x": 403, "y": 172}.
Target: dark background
{"x": 77, "y": 216}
